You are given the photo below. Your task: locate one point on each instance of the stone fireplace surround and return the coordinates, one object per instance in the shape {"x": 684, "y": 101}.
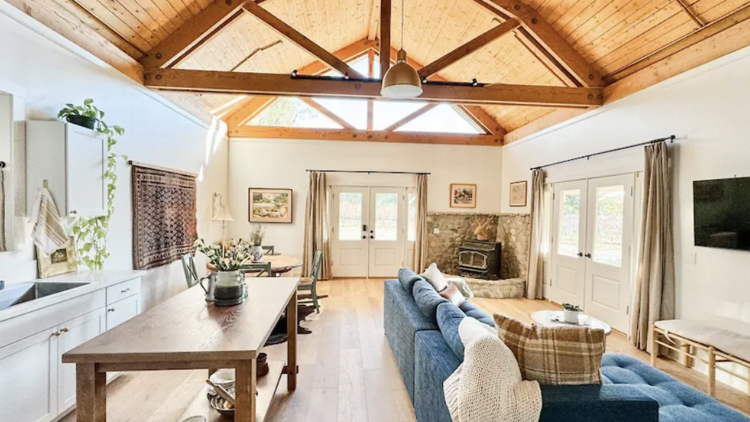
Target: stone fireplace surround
{"x": 513, "y": 230}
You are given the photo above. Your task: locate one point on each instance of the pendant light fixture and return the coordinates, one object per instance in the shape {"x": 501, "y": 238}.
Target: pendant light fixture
{"x": 401, "y": 80}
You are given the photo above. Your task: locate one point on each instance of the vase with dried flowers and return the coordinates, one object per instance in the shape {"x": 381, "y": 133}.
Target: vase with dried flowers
{"x": 227, "y": 285}
{"x": 257, "y": 233}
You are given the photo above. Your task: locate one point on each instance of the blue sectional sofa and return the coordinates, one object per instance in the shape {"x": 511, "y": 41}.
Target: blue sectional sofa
{"x": 422, "y": 330}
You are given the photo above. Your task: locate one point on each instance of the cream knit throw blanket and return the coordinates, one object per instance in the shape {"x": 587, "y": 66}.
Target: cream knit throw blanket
{"x": 487, "y": 387}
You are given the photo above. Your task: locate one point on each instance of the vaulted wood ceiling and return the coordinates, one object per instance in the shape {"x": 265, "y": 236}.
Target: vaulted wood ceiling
{"x": 610, "y": 35}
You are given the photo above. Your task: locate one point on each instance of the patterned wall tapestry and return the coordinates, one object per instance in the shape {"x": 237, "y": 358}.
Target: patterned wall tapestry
{"x": 164, "y": 216}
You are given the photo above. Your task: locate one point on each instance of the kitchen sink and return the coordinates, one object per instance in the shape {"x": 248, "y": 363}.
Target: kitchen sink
{"x": 25, "y": 292}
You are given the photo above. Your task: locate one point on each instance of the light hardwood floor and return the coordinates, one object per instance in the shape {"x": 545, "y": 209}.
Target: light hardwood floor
{"x": 347, "y": 371}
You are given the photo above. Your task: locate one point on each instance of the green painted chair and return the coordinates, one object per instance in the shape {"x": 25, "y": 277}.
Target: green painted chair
{"x": 311, "y": 284}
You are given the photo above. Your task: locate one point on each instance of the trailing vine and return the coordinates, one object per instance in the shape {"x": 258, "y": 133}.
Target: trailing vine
{"x": 91, "y": 233}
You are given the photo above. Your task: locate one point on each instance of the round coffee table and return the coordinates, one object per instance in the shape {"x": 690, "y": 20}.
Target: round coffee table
{"x": 548, "y": 319}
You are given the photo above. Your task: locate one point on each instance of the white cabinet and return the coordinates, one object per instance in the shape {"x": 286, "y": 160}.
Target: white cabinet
{"x": 28, "y": 391}
{"x": 121, "y": 311}
{"x": 72, "y": 334}
{"x": 73, "y": 161}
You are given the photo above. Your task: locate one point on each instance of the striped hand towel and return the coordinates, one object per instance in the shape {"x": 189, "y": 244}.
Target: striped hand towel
{"x": 48, "y": 234}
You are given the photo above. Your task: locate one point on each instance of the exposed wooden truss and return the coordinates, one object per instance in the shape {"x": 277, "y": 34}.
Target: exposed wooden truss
{"x": 326, "y": 112}
{"x": 300, "y": 40}
{"x": 249, "y": 110}
{"x": 362, "y": 136}
{"x": 410, "y": 117}
{"x": 274, "y": 84}
{"x": 385, "y": 36}
{"x": 468, "y": 48}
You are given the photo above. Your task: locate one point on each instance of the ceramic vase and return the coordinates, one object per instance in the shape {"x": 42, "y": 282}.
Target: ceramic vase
{"x": 571, "y": 317}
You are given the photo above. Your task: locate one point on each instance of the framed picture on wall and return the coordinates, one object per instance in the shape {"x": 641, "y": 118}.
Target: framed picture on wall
{"x": 518, "y": 194}
{"x": 269, "y": 205}
{"x": 463, "y": 195}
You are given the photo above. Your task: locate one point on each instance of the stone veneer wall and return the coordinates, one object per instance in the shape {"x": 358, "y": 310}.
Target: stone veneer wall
{"x": 455, "y": 228}
{"x": 514, "y": 230}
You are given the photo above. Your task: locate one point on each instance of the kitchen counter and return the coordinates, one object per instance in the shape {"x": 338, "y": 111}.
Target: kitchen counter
{"x": 99, "y": 280}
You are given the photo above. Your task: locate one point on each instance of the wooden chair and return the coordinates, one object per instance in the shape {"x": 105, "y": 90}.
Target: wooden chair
{"x": 311, "y": 284}
{"x": 191, "y": 274}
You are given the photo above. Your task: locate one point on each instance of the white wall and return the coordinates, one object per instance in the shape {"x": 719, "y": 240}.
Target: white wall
{"x": 277, "y": 163}
{"x": 707, "y": 108}
{"x": 49, "y": 71}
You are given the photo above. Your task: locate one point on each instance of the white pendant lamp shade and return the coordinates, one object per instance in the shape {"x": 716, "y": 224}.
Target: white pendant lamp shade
{"x": 401, "y": 80}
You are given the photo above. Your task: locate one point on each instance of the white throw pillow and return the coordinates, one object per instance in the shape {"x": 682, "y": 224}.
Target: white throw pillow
{"x": 435, "y": 277}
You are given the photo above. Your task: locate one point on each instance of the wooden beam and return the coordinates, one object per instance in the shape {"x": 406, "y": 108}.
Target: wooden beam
{"x": 300, "y": 40}
{"x": 692, "y": 14}
{"x": 482, "y": 119}
{"x": 362, "y": 136}
{"x": 385, "y": 36}
{"x": 326, "y": 112}
{"x": 275, "y": 84}
{"x": 546, "y": 59}
{"x": 372, "y": 29}
{"x": 251, "y": 109}
{"x": 408, "y": 118}
{"x": 370, "y": 74}
{"x": 468, "y": 48}
{"x": 348, "y": 53}
{"x": 555, "y": 44}
{"x": 192, "y": 33}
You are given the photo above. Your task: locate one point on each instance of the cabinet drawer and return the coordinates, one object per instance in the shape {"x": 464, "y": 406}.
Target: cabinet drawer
{"x": 122, "y": 290}
{"x": 121, "y": 311}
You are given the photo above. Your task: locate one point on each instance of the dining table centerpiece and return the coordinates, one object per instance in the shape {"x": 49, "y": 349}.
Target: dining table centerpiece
{"x": 226, "y": 285}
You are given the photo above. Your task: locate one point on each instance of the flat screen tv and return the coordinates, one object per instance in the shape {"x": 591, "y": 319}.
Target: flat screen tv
{"x": 721, "y": 213}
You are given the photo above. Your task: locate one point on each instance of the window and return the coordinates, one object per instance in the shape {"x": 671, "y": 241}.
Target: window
{"x": 386, "y": 113}
{"x": 570, "y": 209}
{"x": 350, "y": 216}
{"x": 608, "y": 230}
{"x": 292, "y": 112}
{"x": 444, "y": 118}
{"x": 386, "y": 216}
{"x": 411, "y": 231}
{"x": 353, "y": 112}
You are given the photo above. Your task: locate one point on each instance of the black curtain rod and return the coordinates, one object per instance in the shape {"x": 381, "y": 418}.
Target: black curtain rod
{"x": 368, "y": 171}
{"x": 670, "y": 138}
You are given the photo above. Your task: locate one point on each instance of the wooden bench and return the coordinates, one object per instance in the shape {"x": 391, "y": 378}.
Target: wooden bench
{"x": 723, "y": 340}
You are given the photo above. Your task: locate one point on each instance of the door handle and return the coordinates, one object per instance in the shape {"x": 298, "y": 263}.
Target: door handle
{"x": 580, "y": 254}
{"x": 588, "y": 255}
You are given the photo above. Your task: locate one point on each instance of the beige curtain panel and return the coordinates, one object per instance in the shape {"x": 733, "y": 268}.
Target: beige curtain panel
{"x": 316, "y": 226}
{"x": 654, "y": 297}
{"x": 535, "y": 282}
{"x": 420, "y": 245}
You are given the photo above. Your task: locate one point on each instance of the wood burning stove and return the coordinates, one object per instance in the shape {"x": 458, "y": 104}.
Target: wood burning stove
{"x": 480, "y": 259}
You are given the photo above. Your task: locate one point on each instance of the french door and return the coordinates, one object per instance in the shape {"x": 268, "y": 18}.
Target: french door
{"x": 368, "y": 229}
{"x": 592, "y": 244}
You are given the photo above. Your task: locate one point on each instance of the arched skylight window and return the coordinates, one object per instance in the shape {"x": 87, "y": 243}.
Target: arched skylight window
{"x": 292, "y": 112}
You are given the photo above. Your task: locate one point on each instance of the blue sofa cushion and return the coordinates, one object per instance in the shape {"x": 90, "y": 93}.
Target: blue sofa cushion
{"x": 434, "y": 363}
{"x": 448, "y": 318}
{"x": 407, "y": 278}
{"x": 427, "y": 300}
{"x": 474, "y": 312}
{"x": 596, "y": 403}
{"x": 677, "y": 401}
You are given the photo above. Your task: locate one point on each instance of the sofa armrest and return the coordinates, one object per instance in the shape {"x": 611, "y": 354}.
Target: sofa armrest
{"x": 597, "y": 403}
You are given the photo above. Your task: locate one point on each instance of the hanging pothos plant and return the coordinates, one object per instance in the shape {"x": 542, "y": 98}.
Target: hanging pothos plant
{"x": 91, "y": 233}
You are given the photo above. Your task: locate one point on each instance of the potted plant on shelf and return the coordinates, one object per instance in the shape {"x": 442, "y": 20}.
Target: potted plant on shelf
{"x": 256, "y": 240}
{"x": 227, "y": 260}
{"x": 571, "y": 313}
{"x": 86, "y": 115}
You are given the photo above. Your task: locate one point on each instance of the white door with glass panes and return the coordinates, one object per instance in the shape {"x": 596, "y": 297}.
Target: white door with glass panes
{"x": 592, "y": 244}
{"x": 609, "y": 240}
{"x": 369, "y": 231}
{"x": 568, "y": 242}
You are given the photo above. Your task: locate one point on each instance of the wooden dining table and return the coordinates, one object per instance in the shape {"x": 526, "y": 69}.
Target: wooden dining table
{"x": 185, "y": 332}
{"x": 280, "y": 264}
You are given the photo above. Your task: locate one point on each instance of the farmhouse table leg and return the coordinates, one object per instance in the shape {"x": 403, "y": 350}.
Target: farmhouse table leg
{"x": 245, "y": 385}
{"x": 91, "y": 393}
{"x": 291, "y": 331}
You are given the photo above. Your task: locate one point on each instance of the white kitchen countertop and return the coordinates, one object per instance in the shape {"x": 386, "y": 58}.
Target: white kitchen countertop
{"x": 98, "y": 280}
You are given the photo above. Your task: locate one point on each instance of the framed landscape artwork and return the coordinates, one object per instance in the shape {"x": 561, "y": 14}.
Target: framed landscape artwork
{"x": 518, "y": 194}
{"x": 269, "y": 205}
{"x": 463, "y": 195}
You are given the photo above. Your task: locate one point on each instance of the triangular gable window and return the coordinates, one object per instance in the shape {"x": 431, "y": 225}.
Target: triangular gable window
{"x": 444, "y": 118}
{"x": 292, "y": 112}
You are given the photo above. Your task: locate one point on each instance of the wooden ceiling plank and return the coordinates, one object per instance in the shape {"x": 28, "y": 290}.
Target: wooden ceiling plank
{"x": 188, "y": 36}
{"x": 362, "y": 136}
{"x": 692, "y": 14}
{"x": 550, "y": 62}
{"x": 328, "y": 113}
{"x": 372, "y": 29}
{"x": 409, "y": 117}
{"x": 385, "y": 36}
{"x": 553, "y": 42}
{"x": 251, "y": 109}
{"x": 348, "y": 53}
{"x": 300, "y": 40}
{"x": 275, "y": 84}
{"x": 118, "y": 34}
{"x": 468, "y": 48}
